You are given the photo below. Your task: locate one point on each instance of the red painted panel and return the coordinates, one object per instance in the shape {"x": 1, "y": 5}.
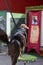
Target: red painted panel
{"x": 34, "y": 31}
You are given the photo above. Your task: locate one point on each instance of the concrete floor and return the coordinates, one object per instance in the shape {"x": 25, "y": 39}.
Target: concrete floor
{"x": 6, "y": 60}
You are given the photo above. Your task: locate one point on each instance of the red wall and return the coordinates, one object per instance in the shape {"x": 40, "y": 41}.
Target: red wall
{"x": 19, "y": 5}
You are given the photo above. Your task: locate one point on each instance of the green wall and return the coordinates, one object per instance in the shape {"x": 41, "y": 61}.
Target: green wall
{"x": 3, "y": 19}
